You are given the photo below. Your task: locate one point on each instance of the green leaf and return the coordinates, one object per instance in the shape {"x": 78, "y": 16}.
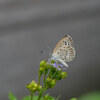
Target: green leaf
{"x": 48, "y": 97}
{"x": 29, "y": 98}
{"x": 58, "y": 97}
{"x": 73, "y": 99}
{"x": 11, "y": 96}
{"x": 91, "y": 96}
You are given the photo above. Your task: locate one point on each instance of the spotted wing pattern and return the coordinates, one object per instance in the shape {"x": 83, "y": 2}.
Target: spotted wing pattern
{"x": 64, "y": 50}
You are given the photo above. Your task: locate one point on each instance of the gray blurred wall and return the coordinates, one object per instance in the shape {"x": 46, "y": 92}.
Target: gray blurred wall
{"x": 29, "y": 26}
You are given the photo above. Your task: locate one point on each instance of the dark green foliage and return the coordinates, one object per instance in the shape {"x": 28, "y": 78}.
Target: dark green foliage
{"x": 91, "y": 96}
{"x": 35, "y": 97}
{"x": 29, "y": 98}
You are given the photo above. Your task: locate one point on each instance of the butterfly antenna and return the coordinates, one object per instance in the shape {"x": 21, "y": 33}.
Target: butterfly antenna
{"x": 50, "y": 51}
{"x": 44, "y": 52}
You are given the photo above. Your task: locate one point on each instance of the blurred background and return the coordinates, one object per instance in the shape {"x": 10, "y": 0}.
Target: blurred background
{"x": 29, "y": 26}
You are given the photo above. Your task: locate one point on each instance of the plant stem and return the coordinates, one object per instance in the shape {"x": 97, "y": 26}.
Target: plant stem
{"x": 41, "y": 93}
{"x": 31, "y": 96}
{"x": 39, "y": 79}
{"x": 44, "y": 80}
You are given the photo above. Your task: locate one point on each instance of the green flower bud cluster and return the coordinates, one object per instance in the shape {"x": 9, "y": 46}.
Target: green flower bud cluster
{"x": 57, "y": 74}
{"x": 61, "y": 75}
{"x": 44, "y": 67}
{"x": 54, "y": 77}
{"x": 33, "y": 87}
{"x": 50, "y": 82}
{"x": 50, "y": 77}
{"x": 51, "y": 72}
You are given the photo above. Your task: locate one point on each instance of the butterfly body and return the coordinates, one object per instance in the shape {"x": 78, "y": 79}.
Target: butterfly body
{"x": 64, "y": 51}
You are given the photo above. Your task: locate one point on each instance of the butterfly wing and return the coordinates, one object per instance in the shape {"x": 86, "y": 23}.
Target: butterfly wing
{"x": 66, "y": 40}
{"x": 64, "y": 50}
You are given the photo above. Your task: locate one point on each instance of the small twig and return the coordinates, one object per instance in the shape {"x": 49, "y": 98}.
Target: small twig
{"x": 31, "y": 96}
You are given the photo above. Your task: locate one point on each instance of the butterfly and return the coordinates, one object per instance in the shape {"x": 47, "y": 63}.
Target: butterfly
{"x": 64, "y": 51}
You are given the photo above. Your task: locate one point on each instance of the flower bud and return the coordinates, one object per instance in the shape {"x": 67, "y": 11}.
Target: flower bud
{"x": 28, "y": 86}
{"x": 52, "y": 61}
{"x": 50, "y": 82}
{"x": 33, "y": 89}
{"x": 47, "y": 66}
{"x": 32, "y": 83}
{"x": 39, "y": 87}
{"x": 42, "y": 63}
{"x": 41, "y": 70}
{"x": 33, "y": 86}
{"x": 53, "y": 82}
{"x": 49, "y": 79}
{"x": 63, "y": 75}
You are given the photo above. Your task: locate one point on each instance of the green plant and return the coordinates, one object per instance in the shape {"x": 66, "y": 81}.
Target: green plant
{"x": 52, "y": 72}
{"x": 51, "y": 75}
